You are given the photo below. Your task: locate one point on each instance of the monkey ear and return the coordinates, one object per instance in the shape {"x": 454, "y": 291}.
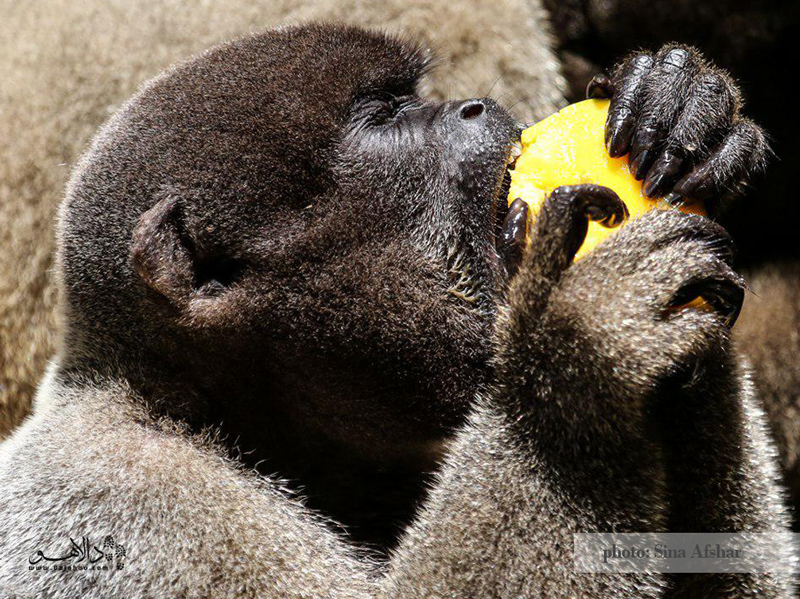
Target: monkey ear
{"x": 161, "y": 252}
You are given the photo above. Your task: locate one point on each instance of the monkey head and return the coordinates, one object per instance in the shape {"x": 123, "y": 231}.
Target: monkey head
{"x": 283, "y": 228}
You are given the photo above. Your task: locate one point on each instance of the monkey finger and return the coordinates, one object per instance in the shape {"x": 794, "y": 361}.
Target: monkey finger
{"x": 513, "y": 233}
{"x": 601, "y": 204}
{"x": 664, "y": 93}
{"x": 690, "y": 251}
{"x": 622, "y": 112}
{"x": 701, "y": 281}
{"x": 561, "y": 225}
{"x": 665, "y": 172}
{"x": 600, "y": 87}
{"x": 722, "y": 292}
{"x": 677, "y": 228}
{"x": 557, "y": 233}
{"x": 711, "y": 104}
{"x": 661, "y": 230}
{"x": 741, "y": 154}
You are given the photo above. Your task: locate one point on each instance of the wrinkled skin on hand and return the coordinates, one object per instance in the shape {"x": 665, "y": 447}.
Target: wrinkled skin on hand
{"x": 678, "y": 119}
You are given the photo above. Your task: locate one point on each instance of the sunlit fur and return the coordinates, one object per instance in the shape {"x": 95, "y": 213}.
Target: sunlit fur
{"x": 249, "y": 267}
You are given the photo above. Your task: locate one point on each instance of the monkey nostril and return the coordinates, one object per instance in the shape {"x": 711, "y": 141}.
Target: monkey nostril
{"x": 472, "y": 110}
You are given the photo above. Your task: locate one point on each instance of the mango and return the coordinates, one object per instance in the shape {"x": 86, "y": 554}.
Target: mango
{"x": 568, "y": 148}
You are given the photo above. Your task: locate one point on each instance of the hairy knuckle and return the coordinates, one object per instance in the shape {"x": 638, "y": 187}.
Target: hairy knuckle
{"x": 677, "y": 57}
{"x": 756, "y": 133}
{"x": 643, "y": 60}
{"x": 716, "y": 84}
{"x": 631, "y": 70}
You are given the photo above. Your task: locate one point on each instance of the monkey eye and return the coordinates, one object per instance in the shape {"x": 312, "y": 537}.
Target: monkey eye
{"x": 383, "y": 109}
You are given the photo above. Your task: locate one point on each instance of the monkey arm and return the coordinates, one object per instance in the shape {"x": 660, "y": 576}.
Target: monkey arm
{"x": 514, "y": 488}
{"x": 499, "y": 523}
{"x": 722, "y": 467}
{"x": 549, "y": 452}
{"x": 92, "y": 463}
{"x": 571, "y": 439}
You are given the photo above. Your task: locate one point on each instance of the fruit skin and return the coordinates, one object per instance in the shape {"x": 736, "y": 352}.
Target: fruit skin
{"x": 568, "y": 148}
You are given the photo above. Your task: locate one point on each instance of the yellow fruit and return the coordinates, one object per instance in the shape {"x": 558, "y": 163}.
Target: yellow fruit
{"x": 568, "y": 148}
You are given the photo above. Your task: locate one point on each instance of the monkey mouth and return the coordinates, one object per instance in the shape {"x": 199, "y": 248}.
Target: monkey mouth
{"x": 478, "y": 278}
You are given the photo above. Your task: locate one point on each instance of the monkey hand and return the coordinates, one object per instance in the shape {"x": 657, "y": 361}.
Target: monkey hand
{"x": 616, "y": 322}
{"x": 678, "y": 119}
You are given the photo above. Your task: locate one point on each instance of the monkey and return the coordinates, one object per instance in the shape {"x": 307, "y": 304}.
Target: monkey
{"x": 92, "y": 56}
{"x": 750, "y": 41}
{"x": 293, "y": 270}
{"x": 88, "y": 61}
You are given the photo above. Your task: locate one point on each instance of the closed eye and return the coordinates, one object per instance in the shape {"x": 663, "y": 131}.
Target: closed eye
{"x": 384, "y": 109}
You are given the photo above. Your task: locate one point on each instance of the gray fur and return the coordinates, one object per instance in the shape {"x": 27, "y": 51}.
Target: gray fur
{"x": 66, "y": 66}
{"x": 290, "y": 267}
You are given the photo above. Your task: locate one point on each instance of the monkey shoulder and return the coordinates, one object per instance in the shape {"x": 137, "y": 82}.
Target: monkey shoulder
{"x": 90, "y": 464}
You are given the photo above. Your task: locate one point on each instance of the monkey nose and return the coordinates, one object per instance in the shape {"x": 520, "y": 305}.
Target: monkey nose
{"x": 471, "y": 110}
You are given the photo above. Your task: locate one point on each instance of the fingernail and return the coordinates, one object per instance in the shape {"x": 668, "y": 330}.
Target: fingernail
{"x": 608, "y": 218}
{"x": 674, "y": 199}
{"x": 619, "y": 140}
{"x": 639, "y": 164}
{"x": 596, "y": 213}
{"x": 515, "y": 222}
{"x": 513, "y": 232}
{"x": 599, "y": 87}
{"x": 641, "y": 148}
{"x": 654, "y": 180}
{"x": 663, "y": 173}
{"x": 698, "y": 184}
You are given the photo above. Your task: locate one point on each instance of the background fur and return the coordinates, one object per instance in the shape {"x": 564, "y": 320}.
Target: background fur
{"x": 66, "y": 66}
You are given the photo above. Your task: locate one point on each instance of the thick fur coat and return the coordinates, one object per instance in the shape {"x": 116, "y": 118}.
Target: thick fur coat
{"x": 67, "y": 66}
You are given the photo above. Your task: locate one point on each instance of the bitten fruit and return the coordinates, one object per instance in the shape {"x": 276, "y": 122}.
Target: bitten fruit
{"x": 568, "y": 148}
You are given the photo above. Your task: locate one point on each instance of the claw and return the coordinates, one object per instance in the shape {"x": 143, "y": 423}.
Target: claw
{"x": 514, "y": 231}
{"x": 608, "y": 216}
{"x": 641, "y": 152}
{"x": 698, "y": 184}
{"x": 662, "y": 174}
{"x": 727, "y": 301}
{"x": 724, "y": 296}
{"x": 675, "y": 199}
{"x": 599, "y": 87}
{"x": 639, "y": 164}
{"x": 618, "y": 138}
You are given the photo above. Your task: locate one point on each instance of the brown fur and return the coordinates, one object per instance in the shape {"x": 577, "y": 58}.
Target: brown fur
{"x": 769, "y": 334}
{"x": 282, "y": 265}
{"x": 67, "y": 65}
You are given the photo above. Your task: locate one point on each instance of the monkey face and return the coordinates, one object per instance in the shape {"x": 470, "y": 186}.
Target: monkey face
{"x": 434, "y": 171}
{"x": 285, "y": 218}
